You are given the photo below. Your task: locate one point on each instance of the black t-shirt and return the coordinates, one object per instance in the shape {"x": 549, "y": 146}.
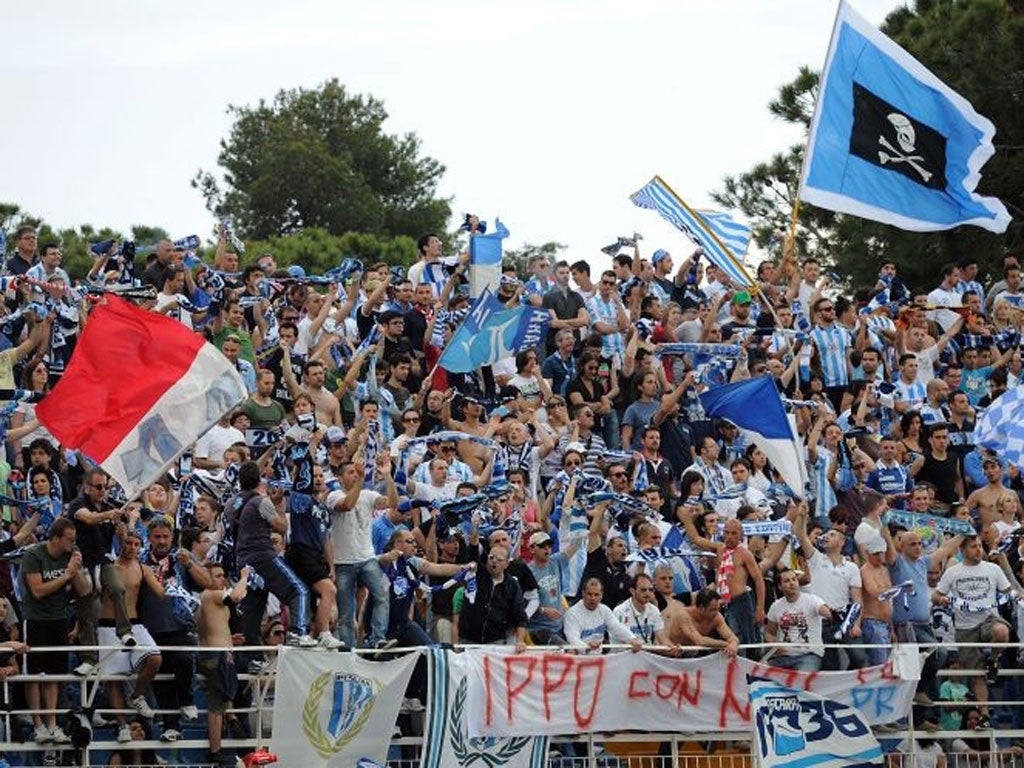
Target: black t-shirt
{"x": 274, "y": 362}
{"x": 566, "y": 306}
{"x": 942, "y": 474}
{"x": 582, "y": 388}
{"x": 94, "y": 541}
{"x": 613, "y": 577}
{"x": 415, "y": 328}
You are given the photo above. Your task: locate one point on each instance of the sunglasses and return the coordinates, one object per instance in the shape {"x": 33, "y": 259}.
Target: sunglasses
{"x": 616, "y": 474}
{"x": 411, "y": 420}
{"x": 572, "y": 463}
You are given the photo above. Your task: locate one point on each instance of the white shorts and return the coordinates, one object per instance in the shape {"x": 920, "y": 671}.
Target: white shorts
{"x": 126, "y": 660}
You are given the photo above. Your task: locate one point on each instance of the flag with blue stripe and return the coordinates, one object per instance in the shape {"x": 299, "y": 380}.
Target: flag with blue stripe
{"x": 797, "y": 729}
{"x": 734, "y": 234}
{"x": 1001, "y": 428}
{"x": 491, "y": 333}
{"x": 891, "y": 142}
{"x": 656, "y": 195}
{"x": 485, "y": 259}
{"x": 755, "y": 406}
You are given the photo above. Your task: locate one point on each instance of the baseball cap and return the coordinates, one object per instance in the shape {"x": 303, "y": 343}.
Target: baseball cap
{"x": 877, "y": 546}
{"x": 659, "y": 254}
{"x": 990, "y": 460}
{"x": 334, "y": 436}
{"x": 741, "y": 297}
{"x": 539, "y": 538}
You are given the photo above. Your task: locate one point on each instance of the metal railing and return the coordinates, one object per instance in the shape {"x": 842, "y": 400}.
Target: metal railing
{"x": 670, "y": 750}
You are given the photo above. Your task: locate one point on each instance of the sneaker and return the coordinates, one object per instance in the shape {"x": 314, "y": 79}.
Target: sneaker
{"x": 409, "y": 706}
{"x": 190, "y": 712}
{"x": 301, "y": 641}
{"x": 923, "y": 699}
{"x": 57, "y": 735}
{"x": 42, "y": 735}
{"x": 385, "y": 645}
{"x": 124, "y": 734}
{"x": 170, "y": 735}
{"x": 128, "y": 640}
{"x": 984, "y": 724}
{"x": 140, "y": 705}
{"x": 928, "y": 725}
{"x": 991, "y": 672}
{"x": 330, "y": 642}
{"x": 257, "y": 667}
{"x": 887, "y": 728}
{"x": 99, "y": 721}
{"x": 396, "y": 732}
{"x": 85, "y": 669}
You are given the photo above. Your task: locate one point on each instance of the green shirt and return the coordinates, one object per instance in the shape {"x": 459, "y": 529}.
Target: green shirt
{"x": 38, "y": 560}
{"x": 264, "y": 416}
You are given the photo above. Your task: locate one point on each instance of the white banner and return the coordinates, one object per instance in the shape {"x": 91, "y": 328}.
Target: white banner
{"x": 795, "y": 729}
{"x": 548, "y": 694}
{"x": 447, "y": 744}
{"x": 336, "y": 709}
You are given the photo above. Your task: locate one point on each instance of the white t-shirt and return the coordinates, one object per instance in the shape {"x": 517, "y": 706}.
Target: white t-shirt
{"x": 428, "y": 492}
{"x": 926, "y": 363}
{"x": 799, "y": 624}
{"x": 643, "y": 624}
{"x": 351, "y": 530}
{"x": 973, "y": 591}
{"x": 583, "y": 626}
{"x": 183, "y": 316}
{"x": 217, "y": 440}
{"x": 831, "y": 582}
{"x": 943, "y": 298}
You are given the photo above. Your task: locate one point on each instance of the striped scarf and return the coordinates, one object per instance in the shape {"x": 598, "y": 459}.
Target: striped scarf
{"x": 371, "y": 450}
{"x": 727, "y": 351}
{"x": 912, "y": 520}
{"x": 763, "y": 528}
{"x": 658, "y": 555}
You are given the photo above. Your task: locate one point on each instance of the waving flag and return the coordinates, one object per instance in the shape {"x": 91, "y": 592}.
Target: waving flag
{"x": 756, "y": 408}
{"x": 485, "y": 259}
{"x": 733, "y": 234}
{"x": 794, "y": 728}
{"x": 891, "y": 142}
{"x": 656, "y": 195}
{"x": 1001, "y": 428}
{"x": 491, "y": 333}
{"x": 140, "y": 388}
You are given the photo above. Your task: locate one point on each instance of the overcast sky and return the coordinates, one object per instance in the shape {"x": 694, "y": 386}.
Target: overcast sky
{"x": 548, "y": 113}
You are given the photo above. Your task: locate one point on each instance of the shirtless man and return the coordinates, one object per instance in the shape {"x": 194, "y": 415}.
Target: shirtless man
{"x": 473, "y": 423}
{"x": 328, "y": 409}
{"x": 702, "y": 624}
{"x": 876, "y": 618}
{"x": 988, "y": 499}
{"x": 736, "y": 570}
{"x": 144, "y": 658}
{"x": 218, "y": 666}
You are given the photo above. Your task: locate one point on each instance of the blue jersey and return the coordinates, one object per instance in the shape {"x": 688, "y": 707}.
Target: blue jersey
{"x": 833, "y": 343}
{"x": 309, "y": 521}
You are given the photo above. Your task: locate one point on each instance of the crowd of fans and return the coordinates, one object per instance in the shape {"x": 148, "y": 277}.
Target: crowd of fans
{"x": 363, "y": 496}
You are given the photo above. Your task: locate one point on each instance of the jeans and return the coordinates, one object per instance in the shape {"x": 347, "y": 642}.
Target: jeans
{"x": 348, "y": 577}
{"x": 739, "y": 617}
{"x": 289, "y": 589}
{"x": 803, "y": 662}
{"x": 612, "y": 431}
{"x": 876, "y": 632}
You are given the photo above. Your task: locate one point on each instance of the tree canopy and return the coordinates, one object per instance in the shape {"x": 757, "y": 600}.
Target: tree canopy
{"x": 977, "y": 48}
{"x": 320, "y": 158}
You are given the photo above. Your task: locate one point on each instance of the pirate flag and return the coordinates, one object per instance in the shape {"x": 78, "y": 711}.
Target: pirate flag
{"x": 891, "y": 142}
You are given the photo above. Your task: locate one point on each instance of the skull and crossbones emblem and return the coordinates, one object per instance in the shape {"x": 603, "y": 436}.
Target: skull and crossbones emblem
{"x": 906, "y": 138}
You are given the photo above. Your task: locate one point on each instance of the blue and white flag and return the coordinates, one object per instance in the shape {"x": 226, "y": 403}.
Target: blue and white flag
{"x": 485, "y": 259}
{"x": 734, "y": 234}
{"x": 1001, "y": 428}
{"x": 491, "y": 333}
{"x": 656, "y": 195}
{"x": 798, "y": 729}
{"x": 756, "y": 408}
{"x": 891, "y": 142}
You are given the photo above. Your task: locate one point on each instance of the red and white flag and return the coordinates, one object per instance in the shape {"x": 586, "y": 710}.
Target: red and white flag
{"x": 139, "y": 389}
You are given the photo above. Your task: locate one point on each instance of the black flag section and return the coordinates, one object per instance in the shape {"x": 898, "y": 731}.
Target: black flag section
{"x": 886, "y": 137}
